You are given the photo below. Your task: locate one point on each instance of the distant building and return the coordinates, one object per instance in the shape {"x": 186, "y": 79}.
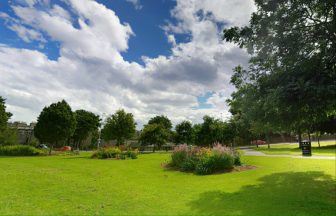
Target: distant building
{"x": 25, "y": 131}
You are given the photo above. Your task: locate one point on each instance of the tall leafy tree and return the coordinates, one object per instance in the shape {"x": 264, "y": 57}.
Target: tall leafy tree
{"x": 163, "y": 120}
{"x": 184, "y": 132}
{"x": 4, "y": 116}
{"x": 120, "y": 127}
{"x": 56, "y": 123}
{"x": 214, "y": 130}
{"x": 197, "y": 136}
{"x": 87, "y": 123}
{"x": 8, "y": 136}
{"x": 154, "y": 134}
{"x": 292, "y": 70}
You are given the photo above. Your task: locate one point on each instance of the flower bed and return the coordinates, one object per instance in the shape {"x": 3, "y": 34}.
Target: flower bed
{"x": 204, "y": 161}
{"x": 115, "y": 152}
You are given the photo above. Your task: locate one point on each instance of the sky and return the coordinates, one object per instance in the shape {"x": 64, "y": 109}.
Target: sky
{"x": 149, "y": 57}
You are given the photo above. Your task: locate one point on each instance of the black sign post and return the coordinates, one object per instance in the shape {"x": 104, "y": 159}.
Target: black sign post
{"x": 306, "y": 148}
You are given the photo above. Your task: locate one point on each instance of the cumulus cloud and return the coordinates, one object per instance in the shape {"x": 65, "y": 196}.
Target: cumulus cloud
{"x": 92, "y": 74}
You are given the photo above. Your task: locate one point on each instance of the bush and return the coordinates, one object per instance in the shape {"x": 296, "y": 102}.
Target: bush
{"x": 179, "y": 155}
{"x": 9, "y": 136}
{"x": 204, "y": 161}
{"x": 114, "y": 152}
{"x": 19, "y": 150}
{"x": 132, "y": 154}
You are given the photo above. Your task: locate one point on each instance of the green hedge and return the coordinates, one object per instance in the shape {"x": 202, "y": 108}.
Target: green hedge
{"x": 104, "y": 153}
{"x": 19, "y": 150}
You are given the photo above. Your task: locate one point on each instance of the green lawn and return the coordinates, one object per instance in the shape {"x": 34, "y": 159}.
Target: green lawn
{"x": 328, "y": 148}
{"x": 78, "y": 185}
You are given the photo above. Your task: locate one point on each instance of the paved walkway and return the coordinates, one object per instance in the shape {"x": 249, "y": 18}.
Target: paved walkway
{"x": 252, "y": 152}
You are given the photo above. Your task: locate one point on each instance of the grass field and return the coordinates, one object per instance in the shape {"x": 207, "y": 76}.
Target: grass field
{"x": 328, "y": 148}
{"x": 73, "y": 185}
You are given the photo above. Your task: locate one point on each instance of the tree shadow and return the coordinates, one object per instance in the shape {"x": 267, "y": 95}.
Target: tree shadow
{"x": 323, "y": 149}
{"x": 289, "y": 193}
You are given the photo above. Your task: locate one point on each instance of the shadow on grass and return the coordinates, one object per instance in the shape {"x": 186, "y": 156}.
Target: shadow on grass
{"x": 332, "y": 147}
{"x": 323, "y": 149}
{"x": 78, "y": 157}
{"x": 290, "y": 193}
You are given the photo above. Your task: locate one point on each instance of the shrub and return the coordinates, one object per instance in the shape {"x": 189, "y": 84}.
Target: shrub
{"x": 19, "y": 150}
{"x": 114, "y": 152}
{"x": 8, "y": 136}
{"x": 132, "y": 154}
{"x": 179, "y": 155}
{"x": 204, "y": 161}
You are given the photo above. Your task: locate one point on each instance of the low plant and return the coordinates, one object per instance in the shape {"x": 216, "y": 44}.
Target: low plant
{"x": 19, "y": 150}
{"x": 204, "y": 161}
{"x": 114, "y": 152}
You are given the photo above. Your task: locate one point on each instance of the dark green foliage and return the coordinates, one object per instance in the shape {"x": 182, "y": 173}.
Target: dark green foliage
{"x": 184, "y": 132}
{"x": 213, "y": 130}
{"x": 290, "y": 83}
{"x": 56, "y": 123}
{"x": 19, "y": 150}
{"x": 154, "y": 134}
{"x": 87, "y": 123}
{"x": 105, "y": 153}
{"x": 120, "y": 126}
{"x": 214, "y": 163}
{"x": 162, "y": 120}
{"x": 131, "y": 154}
{"x": 8, "y": 136}
{"x": 4, "y": 116}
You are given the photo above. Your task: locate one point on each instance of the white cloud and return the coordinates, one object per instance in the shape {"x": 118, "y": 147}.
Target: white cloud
{"x": 92, "y": 74}
{"x": 136, "y": 3}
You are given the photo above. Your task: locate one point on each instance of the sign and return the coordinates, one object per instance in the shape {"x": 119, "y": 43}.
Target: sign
{"x": 306, "y": 148}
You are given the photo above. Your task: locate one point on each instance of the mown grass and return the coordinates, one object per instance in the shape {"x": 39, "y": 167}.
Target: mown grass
{"x": 328, "y": 148}
{"x": 78, "y": 185}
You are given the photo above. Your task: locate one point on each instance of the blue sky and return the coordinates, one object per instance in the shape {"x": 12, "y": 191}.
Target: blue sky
{"x": 150, "y": 57}
{"x": 150, "y": 40}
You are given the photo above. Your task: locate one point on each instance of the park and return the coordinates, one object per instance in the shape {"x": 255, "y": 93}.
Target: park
{"x": 158, "y": 144}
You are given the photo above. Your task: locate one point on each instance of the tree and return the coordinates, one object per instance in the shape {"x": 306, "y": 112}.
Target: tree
{"x": 184, "y": 132}
{"x": 154, "y": 134}
{"x": 87, "y": 123}
{"x": 292, "y": 69}
{"x": 55, "y": 123}
{"x": 163, "y": 120}
{"x": 120, "y": 126}
{"x": 197, "y": 137}
{"x": 4, "y": 116}
{"x": 214, "y": 130}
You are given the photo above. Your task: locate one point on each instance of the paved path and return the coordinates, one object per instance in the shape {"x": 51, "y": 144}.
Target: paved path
{"x": 252, "y": 152}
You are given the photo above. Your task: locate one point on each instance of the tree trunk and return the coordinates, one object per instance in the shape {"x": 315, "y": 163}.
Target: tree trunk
{"x": 309, "y": 137}
{"x": 50, "y": 148}
{"x": 318, "y": 141}
{"x": 153, "y": 148}
{"x": 300, "y": 139}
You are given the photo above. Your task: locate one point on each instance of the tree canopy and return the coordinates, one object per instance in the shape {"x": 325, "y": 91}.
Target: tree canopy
{"x": 214, "y": 130}
{"x": 154, "y": 134}
{"x": 4, "y": 116}
{"x": 55, "y": 123}
{"x": 120, "y": 126}
{"x": 163, "y": 120}
{"x": 87, "y": 123}
{"x": 184, "y": 132}
{"x": 290, "y": 82}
